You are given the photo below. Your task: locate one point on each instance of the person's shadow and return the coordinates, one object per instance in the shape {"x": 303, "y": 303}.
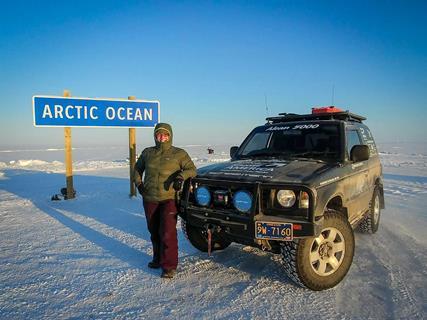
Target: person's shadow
{"x": 104, "y": 199}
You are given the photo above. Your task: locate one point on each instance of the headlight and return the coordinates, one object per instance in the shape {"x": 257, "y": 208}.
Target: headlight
{"x": 242, "y": 201}
{"x": 286, "y": 198}
{"x": 203, "y": 196}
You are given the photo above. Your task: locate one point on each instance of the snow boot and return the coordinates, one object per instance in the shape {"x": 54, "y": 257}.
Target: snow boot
{"x": 168, "y": 274}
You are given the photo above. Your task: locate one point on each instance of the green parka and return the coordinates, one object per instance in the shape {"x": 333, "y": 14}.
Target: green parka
{"x": 161, "y": 165}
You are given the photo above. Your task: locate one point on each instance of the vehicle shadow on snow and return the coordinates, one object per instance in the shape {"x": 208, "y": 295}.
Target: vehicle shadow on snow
{"x": 242, "y": 260}
{"x": 98, "y": 198}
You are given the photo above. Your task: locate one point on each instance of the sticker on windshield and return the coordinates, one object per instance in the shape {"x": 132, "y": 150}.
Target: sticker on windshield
{"x": 295, "y": 127}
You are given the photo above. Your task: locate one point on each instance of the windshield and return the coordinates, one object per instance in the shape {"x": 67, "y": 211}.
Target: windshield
{"x": 294, "y": 140}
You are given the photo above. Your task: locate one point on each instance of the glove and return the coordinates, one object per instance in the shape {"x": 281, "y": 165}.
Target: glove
{"x": 177, "y": 184}
{"x": 140, "y": 188}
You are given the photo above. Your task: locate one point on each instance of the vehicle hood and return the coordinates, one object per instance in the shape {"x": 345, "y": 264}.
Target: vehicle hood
{"x": 285, "y": 171}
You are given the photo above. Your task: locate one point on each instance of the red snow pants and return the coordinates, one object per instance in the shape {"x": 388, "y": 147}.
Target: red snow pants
{"x": 161, "y": 221}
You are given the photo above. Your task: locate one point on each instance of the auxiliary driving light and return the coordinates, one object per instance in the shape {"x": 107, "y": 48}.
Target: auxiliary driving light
{"x": 286, "y": 198}
{"x": 203, "y": 196}
{"x": 242, "y": 201}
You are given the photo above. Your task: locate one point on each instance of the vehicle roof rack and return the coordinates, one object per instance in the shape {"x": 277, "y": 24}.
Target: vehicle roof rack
{"x": 288, "y": 117}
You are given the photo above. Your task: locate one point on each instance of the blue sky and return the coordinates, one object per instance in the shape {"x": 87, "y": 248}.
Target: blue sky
{"x": 211, "y": 64}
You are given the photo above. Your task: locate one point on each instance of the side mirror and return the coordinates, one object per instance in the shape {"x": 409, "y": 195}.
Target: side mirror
{"x": 233, "y": 151}
{"x": 359, "y": 153}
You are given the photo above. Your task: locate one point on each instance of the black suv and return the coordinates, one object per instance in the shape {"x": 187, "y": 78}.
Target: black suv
{"x": 297, "y": 186}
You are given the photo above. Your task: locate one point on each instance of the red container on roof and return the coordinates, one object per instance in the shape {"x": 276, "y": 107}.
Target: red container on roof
{"x": 330, "y": 109}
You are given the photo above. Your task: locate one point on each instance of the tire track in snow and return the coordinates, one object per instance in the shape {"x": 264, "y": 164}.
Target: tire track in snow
{"x": 390, "y": 275}
{"x": 401, "y": 263}
{"x": 264, "y": 284}
{"x": 404, "y": 188}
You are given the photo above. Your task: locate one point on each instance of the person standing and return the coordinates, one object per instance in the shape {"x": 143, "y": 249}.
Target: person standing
{"x": 165, "y": 169}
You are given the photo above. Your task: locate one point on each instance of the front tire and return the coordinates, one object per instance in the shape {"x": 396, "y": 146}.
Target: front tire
{"x": 321, "y": 262}
{"x": 199, "y": 239}
{"x": 371, "y": 221}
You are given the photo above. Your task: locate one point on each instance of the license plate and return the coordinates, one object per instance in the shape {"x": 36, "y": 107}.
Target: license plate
{"x": 273, "y": 231}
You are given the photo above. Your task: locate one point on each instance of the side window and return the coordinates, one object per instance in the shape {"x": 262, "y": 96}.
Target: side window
{"x": 352, "y": 140}
{"x": 368, "y": 140}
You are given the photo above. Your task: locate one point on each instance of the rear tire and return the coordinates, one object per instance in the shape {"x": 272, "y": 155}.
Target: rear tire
{"x": 321, "y": 262}
{"x": 198, "y": 237}
{"x": 371, "y": 221}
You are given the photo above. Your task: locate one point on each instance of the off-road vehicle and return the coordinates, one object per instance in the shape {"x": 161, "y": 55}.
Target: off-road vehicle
{"x": 296, "y": 186}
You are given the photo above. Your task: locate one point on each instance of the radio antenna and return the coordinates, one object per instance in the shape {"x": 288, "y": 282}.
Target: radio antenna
{"x": 266, "y": 105}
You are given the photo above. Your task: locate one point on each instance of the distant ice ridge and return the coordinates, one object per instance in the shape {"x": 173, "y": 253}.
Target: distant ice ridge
{"x": 58, "y": 166}
{"x": 191, "y": 145}
{"x": 34, "y": 163}
{"x": 412, "y": 164}
{"x": 34, "y": 150}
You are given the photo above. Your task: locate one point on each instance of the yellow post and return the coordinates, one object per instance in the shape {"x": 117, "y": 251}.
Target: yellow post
{"x": 132, "y": 156}
{"x": 68, "y": 157}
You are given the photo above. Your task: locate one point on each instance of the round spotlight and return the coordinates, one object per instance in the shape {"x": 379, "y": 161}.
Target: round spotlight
{"x": 242, "y": 201}
{"x": 203, "y": 196}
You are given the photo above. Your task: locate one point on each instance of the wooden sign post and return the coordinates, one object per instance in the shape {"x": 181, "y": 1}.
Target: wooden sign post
{"x": 68, "y": 157}
{"x": 132, "y": 157}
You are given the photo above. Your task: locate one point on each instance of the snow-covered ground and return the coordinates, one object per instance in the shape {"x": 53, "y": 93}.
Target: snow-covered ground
{"x": 87, "y": 258}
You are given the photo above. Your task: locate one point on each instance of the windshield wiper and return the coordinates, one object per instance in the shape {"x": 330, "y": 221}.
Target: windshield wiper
{"x": 309, "y": 155}
{"x": 256, "y": 154}
{"x": 314, "y": 153}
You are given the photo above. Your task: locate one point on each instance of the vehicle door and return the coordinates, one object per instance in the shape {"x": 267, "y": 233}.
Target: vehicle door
{"x": 356, "y": 184}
